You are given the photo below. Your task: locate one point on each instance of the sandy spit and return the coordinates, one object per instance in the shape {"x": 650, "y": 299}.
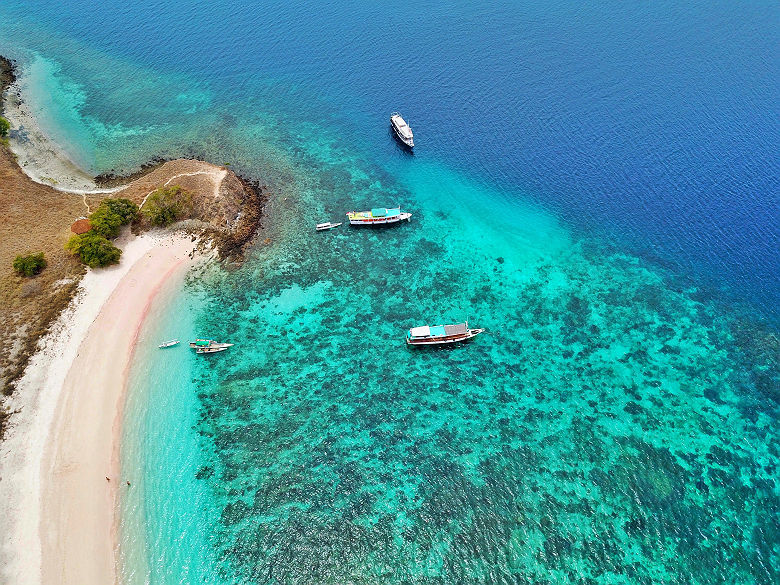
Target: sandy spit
{"x": 57, "y": 509}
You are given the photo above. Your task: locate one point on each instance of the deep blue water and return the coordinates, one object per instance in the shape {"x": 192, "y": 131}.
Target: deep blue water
{"x": 653, "y": 122}
{"x": 596, "y": 185}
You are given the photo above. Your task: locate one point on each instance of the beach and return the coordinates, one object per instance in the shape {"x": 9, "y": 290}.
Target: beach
{"x": 61, "y": 471}
{"x": 594, "y": 186}
{"x": 71, "y": 334}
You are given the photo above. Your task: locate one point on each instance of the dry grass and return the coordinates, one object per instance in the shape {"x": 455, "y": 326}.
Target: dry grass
{"x": 37, "y": 218}
{"x": 33, "y": 218}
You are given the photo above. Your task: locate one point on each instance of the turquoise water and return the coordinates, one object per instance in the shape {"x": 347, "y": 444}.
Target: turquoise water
{"x": 613, "y": 425}
{"x": 594, "y": 186}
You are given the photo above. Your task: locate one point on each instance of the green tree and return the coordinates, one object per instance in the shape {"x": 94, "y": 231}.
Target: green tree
{"x": 29, "y": 265}
{"x": 93, "y": 249}
{"x": 124, "y": 208}
{"x": 111, "y": 214}
{"x": 105, "y": 222}
{"x": 166, "y": 205}
{"x": 5, "y": 126}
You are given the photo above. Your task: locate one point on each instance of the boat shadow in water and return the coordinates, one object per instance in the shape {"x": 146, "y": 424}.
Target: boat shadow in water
{"x": 436, "y": 347}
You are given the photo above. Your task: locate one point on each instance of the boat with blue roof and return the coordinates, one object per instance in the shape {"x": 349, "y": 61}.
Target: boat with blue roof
{"x": 378, "y": 216}
{"x": 441, "y": 334}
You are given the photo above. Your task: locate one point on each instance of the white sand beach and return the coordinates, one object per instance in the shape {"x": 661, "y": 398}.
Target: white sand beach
{"x": 57, "y": 507}
{"x": 43, "y": 160}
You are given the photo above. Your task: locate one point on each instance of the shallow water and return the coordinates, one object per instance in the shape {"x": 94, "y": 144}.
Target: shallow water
{"x": 594, "y": 186}
{"x": 611, "y": 425}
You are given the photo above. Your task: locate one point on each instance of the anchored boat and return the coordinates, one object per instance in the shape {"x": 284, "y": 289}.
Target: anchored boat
{"x": 402, "y": 130}
{"x": 170, "y": 343}
{"x": 328, "y": 225}
{"x": 208, "y": 346}
{"x": 441, "y": 334}
{"x": 378, "y": 216}
{"x": 213, "y": 348}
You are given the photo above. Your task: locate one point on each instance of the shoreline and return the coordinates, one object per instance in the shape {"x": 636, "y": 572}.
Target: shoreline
{"x": 62, "y": 512}
{"x": 63, "y": 439}
{"x": 227, "y": 214}
{"x": 41, "y": 159}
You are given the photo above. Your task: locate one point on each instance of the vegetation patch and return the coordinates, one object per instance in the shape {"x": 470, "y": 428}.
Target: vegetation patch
{"x": 105, "y": 222}
{"x": 124, "y": 208}
{"x": 93, "y": 247}
{"x": 166, "y": 205}
{"x": 29, "y": 265}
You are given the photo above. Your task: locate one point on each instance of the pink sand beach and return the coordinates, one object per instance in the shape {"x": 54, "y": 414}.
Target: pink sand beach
{"x": 60, "y": 471}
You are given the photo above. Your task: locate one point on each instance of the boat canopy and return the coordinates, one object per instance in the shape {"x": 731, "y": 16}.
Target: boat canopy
{"x": 382, "y": 212}
{"x": 439, "y": 330}
{"x": 458, "y": 329}
{"x": 402, "y": 126}
{"x": 203, "y": 342}
{"x": 420, "y": 331}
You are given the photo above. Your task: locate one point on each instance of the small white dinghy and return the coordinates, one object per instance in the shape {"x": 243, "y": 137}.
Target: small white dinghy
{"x": 170, "y": 343}
{"x": 328, "y": 225}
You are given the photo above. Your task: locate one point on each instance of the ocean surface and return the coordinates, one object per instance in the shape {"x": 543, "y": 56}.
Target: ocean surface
{"x": 597, "y": 186}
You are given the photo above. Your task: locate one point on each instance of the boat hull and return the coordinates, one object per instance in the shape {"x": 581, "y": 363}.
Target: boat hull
{"x": 210, "y": 349}
{"x": 404, "y": 142}
{"x": 380, "y": 220}
{"x": 397, "y": 123}
{"x": 168, "y": 344}
{"x": 327, "y": 226}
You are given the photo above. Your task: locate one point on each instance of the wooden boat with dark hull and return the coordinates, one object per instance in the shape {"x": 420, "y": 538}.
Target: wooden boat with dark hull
{"x": 441, "y": 334}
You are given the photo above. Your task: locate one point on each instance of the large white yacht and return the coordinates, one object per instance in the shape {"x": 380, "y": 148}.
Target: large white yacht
{"x": 401, "y": 129}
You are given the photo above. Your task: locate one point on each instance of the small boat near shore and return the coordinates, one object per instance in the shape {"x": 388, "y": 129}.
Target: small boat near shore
{"x": 441, "y": 334}
{"x": 402, "y": 130}
{"x": 378, "y": 216}
{"x": 213, "y": 348}
{"x": 208, "y": 346}
{"x": 170, "y": 343}
{"x": 328, "y": 225}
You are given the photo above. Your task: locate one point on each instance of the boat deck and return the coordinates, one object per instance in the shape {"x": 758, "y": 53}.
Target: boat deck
{"x": 440, "y": 334}
{"x": 439, "y": 330}
{"x": 375, "y": 213}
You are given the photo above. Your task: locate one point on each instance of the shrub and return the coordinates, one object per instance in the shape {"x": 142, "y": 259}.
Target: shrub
{"x": 5, "y": 126}
{"x": 29, "y": 265}
{"x": 93, "y": 249}
{"x": 124, "y": 208}
{"x": 166, "y": 205}
{"x": 111, "y": 214}
{"x": 105, "y": 222}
